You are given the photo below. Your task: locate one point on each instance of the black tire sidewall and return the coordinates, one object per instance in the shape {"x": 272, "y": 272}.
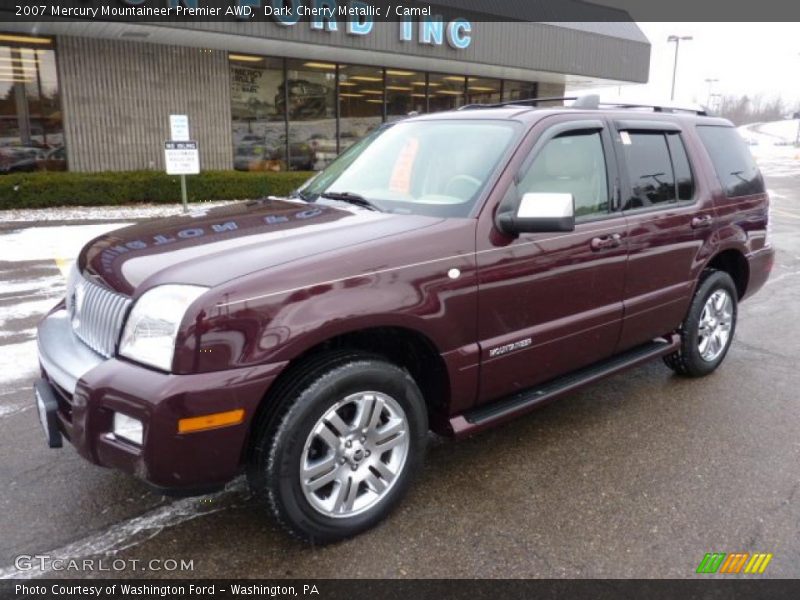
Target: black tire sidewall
{"x": 693, "y": 361}
{"x": 286, "y": 448}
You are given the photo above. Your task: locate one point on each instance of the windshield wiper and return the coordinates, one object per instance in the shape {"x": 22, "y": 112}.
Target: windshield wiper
{"x": 351, "y": 198}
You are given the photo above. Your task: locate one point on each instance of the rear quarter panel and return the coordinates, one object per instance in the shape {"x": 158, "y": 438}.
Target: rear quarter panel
{"x": 740, "y": 223}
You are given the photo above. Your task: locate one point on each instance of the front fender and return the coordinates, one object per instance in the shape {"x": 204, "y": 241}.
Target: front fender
{"x": 281, "y": 326}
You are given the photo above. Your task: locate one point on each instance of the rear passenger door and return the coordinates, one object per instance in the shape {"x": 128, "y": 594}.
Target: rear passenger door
{"x": 669, "y": 218}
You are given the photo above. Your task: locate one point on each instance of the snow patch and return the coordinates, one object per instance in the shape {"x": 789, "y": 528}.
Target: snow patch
{"x": 25, "y": 310}
{"x": 101, "y": 213}
{"x": 40, "y": 287}
{"x": 17, "y": 362}
{"x": 48, "y": 243}
{"x": 132, "y": 532}
{"x": 6, "y": 410}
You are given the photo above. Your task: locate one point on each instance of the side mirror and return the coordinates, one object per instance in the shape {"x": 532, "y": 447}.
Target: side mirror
{"x": 540, "y": 212}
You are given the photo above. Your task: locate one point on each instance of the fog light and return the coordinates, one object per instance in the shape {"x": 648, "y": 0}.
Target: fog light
{"x": 128, "y": 428}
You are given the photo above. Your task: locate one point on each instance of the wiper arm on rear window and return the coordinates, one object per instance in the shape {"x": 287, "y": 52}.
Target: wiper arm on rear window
{"x": 352, "y": 199}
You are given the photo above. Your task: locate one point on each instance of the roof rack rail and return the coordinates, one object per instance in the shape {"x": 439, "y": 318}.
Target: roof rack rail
{"x": 520, "y": 102}
{"x": 590, "y": 102}
{"x": 699, "y": 111}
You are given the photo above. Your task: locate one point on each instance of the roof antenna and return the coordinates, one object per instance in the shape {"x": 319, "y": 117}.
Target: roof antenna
{"x": 591, "y": 101}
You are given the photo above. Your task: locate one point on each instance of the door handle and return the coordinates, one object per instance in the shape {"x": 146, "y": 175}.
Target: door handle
{"x": 606, "y": 241}
{"x": 700, "y": 222}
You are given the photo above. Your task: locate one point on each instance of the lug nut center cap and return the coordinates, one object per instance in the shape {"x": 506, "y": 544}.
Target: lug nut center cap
{"x": 355, "y": 453}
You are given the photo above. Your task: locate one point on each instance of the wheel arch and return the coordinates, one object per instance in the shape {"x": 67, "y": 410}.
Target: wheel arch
{"x": 733, "y": 262}
{"x": 403, "y": 346}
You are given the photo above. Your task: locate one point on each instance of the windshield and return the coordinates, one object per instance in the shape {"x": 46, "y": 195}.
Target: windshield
{"x": 433, "y": 168}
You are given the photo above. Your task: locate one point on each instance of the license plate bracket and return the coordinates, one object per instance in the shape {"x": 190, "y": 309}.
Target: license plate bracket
{"x": 47, "y": 407}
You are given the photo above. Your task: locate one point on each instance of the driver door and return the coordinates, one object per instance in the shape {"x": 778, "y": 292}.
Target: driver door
{"x": 550, "y": 303}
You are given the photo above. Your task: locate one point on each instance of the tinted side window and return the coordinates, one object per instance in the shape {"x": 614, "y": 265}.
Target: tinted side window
{"x": 680, "y": 163}
{"x": 649, "y": 168}
{"x": 735, "y": 167}
{"x": 575, "y": 164}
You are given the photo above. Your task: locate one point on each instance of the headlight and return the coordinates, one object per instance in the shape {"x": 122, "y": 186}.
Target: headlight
{"x": 149, "y": 334}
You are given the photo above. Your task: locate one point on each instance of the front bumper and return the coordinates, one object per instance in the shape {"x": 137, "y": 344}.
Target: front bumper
{"x": 90, "y": 388}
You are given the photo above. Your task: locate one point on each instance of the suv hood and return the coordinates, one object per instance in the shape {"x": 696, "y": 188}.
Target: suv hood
{"x": 210, "y": 247}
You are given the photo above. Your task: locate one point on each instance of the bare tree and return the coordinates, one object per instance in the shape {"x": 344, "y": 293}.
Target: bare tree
{"x": 745, "y": 109}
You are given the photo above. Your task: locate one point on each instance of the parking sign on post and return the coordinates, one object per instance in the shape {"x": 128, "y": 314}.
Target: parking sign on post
{"x": 179, "y": 128}
{"x": 182, "y": 158}
{"x": 180, "y": 153}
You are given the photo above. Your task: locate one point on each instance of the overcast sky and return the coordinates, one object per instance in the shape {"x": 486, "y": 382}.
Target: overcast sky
{"x": 746, "y": 58}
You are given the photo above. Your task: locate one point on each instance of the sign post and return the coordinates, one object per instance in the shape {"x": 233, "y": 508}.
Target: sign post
{"x": 180, "y": 153}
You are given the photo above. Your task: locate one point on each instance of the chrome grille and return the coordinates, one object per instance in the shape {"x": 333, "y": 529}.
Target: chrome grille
{"x": 96, "y": 313}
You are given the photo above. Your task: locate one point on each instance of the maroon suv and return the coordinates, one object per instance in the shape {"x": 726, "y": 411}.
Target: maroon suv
{"x": 448, "y": 272}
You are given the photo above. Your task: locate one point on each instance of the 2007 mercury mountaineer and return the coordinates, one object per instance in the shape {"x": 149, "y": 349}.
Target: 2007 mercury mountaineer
{"x": 451, "y": 271}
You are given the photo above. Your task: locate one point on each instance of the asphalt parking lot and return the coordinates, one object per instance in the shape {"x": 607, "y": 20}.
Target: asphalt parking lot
{"x": 638, "y": 476}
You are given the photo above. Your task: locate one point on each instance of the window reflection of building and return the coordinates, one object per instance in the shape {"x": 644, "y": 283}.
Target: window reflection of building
{"x": 360, "y": 102}
{"x": 304, "y": 125}
{"x": 259, "y": 132}
{"x": 311, "y": 95}
{"x": 405, "y": 93}
{"x": 483, "y": 91}
{"x": 445, "y": 92}
{"x": 31, "y": 131}
{"x": 518, "y": 90}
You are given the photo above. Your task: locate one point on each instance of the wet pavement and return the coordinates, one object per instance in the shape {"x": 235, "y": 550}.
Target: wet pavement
{"x": 637, "y": 476}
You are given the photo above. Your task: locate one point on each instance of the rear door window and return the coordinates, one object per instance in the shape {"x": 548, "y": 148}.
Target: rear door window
{"x": 733, "y": 163}
{"x": 680, "y": 163}
{"x": 652, "y": 178}
{"x": 658, "y": 169}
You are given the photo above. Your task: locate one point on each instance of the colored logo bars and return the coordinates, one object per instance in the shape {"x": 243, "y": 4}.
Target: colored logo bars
{"x": 716, "y": 562}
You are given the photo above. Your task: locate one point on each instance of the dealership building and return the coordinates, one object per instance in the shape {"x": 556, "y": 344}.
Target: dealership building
{"x": 271, "y": 94}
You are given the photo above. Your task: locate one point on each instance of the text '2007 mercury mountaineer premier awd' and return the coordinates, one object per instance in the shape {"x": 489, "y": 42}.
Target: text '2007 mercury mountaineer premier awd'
{"x": 447, "y": 272}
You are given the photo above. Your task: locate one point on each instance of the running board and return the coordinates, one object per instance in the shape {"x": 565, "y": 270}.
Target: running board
{"x": 519, "y": 403}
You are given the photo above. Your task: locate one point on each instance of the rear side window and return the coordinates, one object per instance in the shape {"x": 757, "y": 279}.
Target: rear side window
{"x": 735, "y": 167}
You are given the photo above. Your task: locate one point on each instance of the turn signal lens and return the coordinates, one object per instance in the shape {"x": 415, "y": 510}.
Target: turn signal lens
{"x": 212, "y": 421}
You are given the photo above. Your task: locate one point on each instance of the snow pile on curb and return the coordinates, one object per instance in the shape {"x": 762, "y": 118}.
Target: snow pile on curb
{"x": 101, "y": 213}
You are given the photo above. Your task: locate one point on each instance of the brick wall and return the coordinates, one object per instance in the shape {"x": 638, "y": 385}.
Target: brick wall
{"x": 117, "y": 97}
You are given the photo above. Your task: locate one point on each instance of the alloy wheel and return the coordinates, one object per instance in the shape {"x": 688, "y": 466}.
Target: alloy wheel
{"x": 354, "y": 454}
{"x": 716, "y": 322}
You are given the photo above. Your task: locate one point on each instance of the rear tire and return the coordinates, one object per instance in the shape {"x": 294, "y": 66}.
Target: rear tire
{"x": 344, "y": 451}
{"x": 707, "y": 332}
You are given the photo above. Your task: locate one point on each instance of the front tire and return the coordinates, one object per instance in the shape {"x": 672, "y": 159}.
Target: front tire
{"x": 707, "y": 332}
{"x": 344, "y": 452}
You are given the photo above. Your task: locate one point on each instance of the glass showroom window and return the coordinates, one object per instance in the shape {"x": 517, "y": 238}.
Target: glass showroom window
{"x": 518, "y": 90}
{"x": 31, "y": 131}
{"x": 446, "y": 92}
{"x": 405, "y": 93}
{"x": 483, "y": 91}
{"x": 360, "y": 102}
{"x": 312, "y": 114}
{"x": 259, "y": 127}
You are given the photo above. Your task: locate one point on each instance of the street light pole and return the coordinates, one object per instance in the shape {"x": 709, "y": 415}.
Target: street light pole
{"x": 677, "y": 39}
{"x": 797, "y": 115}
{"x": 710, "y": 83}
